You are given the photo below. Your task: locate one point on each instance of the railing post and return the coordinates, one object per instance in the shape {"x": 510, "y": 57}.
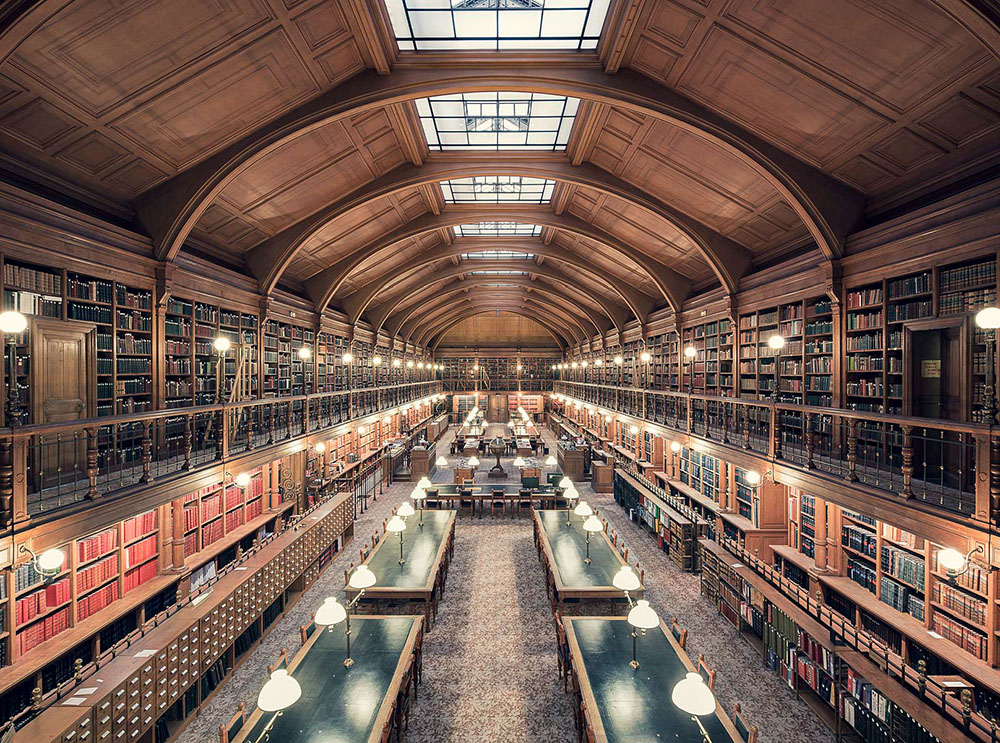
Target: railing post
{"x": 775, "y": 419}
{"x": 852, "y": 450}
{"x": 7, "y": 481}
{"x": 147, "y": 453}
{"x": 725, "y": 422}
{"x": 270, "y": 423}
{"x": 746, "y": 427}
{"x": 220, "y": 435}
{"x": 907, "y": 465}
{"x": 188, "y": 438}
{"x": 92, "y": 462}
{"x": 809, "y": 441}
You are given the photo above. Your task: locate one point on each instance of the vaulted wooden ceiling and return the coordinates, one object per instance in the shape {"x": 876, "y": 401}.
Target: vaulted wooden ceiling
{"x": 281, "y": 137}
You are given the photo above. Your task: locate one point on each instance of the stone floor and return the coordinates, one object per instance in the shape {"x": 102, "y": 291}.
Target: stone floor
{"x": 489, "y": 662}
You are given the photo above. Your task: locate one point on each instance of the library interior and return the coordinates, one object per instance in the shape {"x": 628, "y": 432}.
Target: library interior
{"x": 666, "y": 329}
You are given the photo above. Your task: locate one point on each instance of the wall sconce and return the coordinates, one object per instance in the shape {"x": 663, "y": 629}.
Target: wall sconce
{"x": 305, "y": 353}
{"x": 242, "y": 480}
{"x": 955, "y": 563}
{"x": 348, "y": 357}
{"x": 48, "y": 563}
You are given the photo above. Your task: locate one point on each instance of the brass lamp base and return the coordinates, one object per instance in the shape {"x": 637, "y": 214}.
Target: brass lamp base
{"x": 348, "y": 662}
{"x": 633, "y": 664}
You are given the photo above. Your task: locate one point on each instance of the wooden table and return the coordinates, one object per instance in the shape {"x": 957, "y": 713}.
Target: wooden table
{"x": 426, "y": 550}
{"x": 563, "y": 548}
{"x": 624, "y": 706}
{"x": 483, "y": 494}
{"x": 337, "y": 703}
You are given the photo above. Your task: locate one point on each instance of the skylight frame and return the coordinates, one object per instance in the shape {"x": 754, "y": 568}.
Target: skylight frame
{"x": 453, "y": 25}
{"x": 498, "y": 189}
{"x": 446, "y": 121}
{"x": 497, "y": 228}
{"x": 498, "y": 255}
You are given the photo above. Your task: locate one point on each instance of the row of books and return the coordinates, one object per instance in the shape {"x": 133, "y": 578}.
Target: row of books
{"x": 97, "y": 545}
{"x": 211, "y": 533}
{"x": 190, "y": 518}
{"x": 903, "y": 565}
{"x": 96, "y": 601}
{"x": 954, "y": 279}
{"x": 864, "y": 320}
{"x": 234, "y": 519}
{"x": 956, "y": 632}
{"x": 134, "y": 320}
{"x": 864, "y": 297}
{"x": 910, "y": 310}
{"x": 861, "y": 574}
{"x": 96, "y": 574}
{"x": 89, "y": 313}
{"x": 139, "y": 526}
{"x": 211, "y": 507}
{"x": 140, "y": 551}
{"x": 137, "y": 576}
{"x": 864, "y": 722}
{"x": 55, "y": 594}
{"x": 34, "y": 635}
{"x": 858, "y": 540}
{"x": 32, "y": 304}
{"x": 129, "y": 344}
{"x": 135, "y": 366}
{"x": 31, "y": 279}
{"x": 894, "y": 594}
{"x": 920, "y": 284}
{"x": 972, "y": 608}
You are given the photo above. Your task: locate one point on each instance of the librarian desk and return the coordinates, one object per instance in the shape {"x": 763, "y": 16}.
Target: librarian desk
{"x": 623, "y": 705}
{"x": 427, "y": 550}
{"x": 562, "y": 550}
{"x": 339, "y": 703}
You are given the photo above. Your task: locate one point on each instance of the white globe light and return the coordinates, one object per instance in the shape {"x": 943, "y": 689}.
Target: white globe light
{"x": 348, "y": 357}
{"x": 50, "y": 561}
{"x": 362, "y": 577}
{"x": 551, "y": 461}
{"x": 571, "y": 493}
{"x": 776, "y": 342}
{"x": 305, "y": 352}
{"x": 582, "y": 509}
{"x": 987, "y": 319}
{"x": 376, "y": 361}
{"x": 752, "y": 478}
{"x": 441, "y": 462}
{"x": 645, "y": 357}
{"x": 12, "y": 321}
{"x": 626, "y": 579}
{"x": 221, "y": 344}
{"x": 593, "y": 524}
{"x": 692, "y": 695}
{"x": 598, "y": 362}
{"x": 565, "y": 482}
{"x": 690, "y": 352}
{"x": 619, "y": 360}
{"x": 243, "y": 480}
{"x": 397, "y": 363}
{"x": 518, "y": 461}
{"x": 330, "y": 612}
{"x": 675, "y": 446}
{"x": 280, "y": 692}
{"x": 405, "y": 509}
{"x": 474, "y": 461}
{"x": 642, "y": 616}
{"x": 424, "y": 482}
{"x": 395, "y": 525}
{"x": 951, "y": 560}
{"x": 418, "y": 494}
{"x": 320, "y": 447}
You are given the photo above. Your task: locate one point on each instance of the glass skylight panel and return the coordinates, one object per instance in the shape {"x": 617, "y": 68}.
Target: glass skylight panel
{"x": 497, "y": 272}
{"x": 498, "y": 255}
{"x": 497, "y": 229}
{"x": 497, "y": 189}
{"x": 497, "y": 24}
{"x": 497, "y": 121}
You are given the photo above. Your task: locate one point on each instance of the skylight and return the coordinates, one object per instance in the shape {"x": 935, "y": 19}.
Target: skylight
{"x": 497, "y": 121}
{"x": 498, "y": 255}
{"x": 497, "y": 229}
{"x": 497, "y": 24}
{"x": 496, "y": 189}
{"x": 497, "y": 272}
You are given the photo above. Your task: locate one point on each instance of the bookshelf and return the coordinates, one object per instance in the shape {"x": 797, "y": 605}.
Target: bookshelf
{"x": 711, "y": 371}
{"x": 806, "y": 362}
{"x": 663, "y": 368}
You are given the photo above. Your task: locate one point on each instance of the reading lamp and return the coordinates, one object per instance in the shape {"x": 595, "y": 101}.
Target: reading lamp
{"x": 279, "y": 693}
{"x": 591, "y": 525}
{"x": 396, "y": 525}
{"x": 48, "y": 563}
{"x": 955, "y": 563}
{"x": 331, "y": 613}
{"x": 642, "y": 617}
{"x": 692, "y": 695}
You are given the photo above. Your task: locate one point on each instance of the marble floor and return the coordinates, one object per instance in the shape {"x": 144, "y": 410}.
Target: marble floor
{"x": 490, "y": 663}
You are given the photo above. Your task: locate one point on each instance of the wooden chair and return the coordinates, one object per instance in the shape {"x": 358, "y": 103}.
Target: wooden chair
{"x": 706, "y": 673}
{"x": 523, "y": 501}
{"x": 747, "y": 731}
{"x": 282, "y": 662}
{"x": 403, "y": 700}
{"x": 681, "y": 635}
{"x": 432, "y": 499}
{"x": 465, "y": 501}
{"x": 306, "y": 630}
{"x": 232, "y": 728}
{"x": 499, "y": 500}
{"x": 562, "y": 648}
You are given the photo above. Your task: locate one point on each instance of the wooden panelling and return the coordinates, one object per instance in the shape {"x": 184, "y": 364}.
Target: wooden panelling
{"x": 497, "y": 329}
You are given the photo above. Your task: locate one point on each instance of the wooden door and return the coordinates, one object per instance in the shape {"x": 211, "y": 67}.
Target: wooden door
{"x": 498, "y": 408}
{"x": 63, "y": 388}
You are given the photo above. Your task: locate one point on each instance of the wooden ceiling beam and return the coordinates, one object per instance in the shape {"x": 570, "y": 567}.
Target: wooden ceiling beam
{"x": 727, "y": 259}
{"x": 324, "y": 285}
{"x": 440, "y": 325}
{"x": 829, "y": 209}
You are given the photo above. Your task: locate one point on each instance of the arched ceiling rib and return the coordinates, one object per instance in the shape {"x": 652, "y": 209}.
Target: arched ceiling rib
{"x": 728, "y": 259}
{"x": 323, "y": 286}
{"x": 439, "y": 325}
{"x": 829, "y": 209}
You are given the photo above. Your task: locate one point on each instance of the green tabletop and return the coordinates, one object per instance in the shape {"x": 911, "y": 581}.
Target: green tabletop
{"x": 422, "y": 547}
{"x": 338, "y": 704}
{"x": 568, "y": 547}
{"x": 635, "y": 706}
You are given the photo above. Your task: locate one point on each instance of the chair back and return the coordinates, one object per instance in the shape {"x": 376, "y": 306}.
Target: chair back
{"x": 499, "y": 494}
{"x": 282, "y": 662}
{"x": 747, "y": 731}
{"x": 307, "y": 630}
{"x": 680, "y": 634}
{"x": 706, "y": 673}
{"x": 232, "y": 728}
{"x": 432, "y": 496}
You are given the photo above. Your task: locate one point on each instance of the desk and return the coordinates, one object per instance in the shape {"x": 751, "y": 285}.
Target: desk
{"x": 482, "y": 494}
{"x": 623, "y": 705}
{"x": 563, "y": 548}
{"x": 340, "y": 703}
{"x": 426, "y": 550}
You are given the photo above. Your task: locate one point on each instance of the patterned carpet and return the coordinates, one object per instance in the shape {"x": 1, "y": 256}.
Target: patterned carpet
{"x": 490, "y": 663}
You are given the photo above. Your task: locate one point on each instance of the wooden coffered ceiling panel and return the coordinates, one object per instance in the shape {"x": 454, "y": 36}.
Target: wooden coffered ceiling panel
{"x": 305, "y": 175}
{"x": 499, "y": 329}
{"x": 355, "y": 230}
{"x": 121, "y": 94}
{"x": 645, "y": 232}
{"x": 877, "y": 92}
{"x": 403, "y": 254}
{"x": 695, "y": 177}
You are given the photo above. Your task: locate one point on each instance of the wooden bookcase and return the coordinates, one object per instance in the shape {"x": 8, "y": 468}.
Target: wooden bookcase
{"x": 711, "y": 371}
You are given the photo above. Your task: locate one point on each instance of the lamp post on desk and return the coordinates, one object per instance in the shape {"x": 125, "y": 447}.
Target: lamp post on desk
{"x": 332, "y": 613}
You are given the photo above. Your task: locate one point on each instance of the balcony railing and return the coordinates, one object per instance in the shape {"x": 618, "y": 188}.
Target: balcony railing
{"x": 930, "y": 461}
{"x": 45, "y": 468}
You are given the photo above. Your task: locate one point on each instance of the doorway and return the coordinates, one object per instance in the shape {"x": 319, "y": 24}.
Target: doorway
{"x": 497, "y": 409}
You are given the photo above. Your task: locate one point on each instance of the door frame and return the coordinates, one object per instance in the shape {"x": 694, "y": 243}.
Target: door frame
{"x": 37, "y": 328}
{"x": 962, "y": 322}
